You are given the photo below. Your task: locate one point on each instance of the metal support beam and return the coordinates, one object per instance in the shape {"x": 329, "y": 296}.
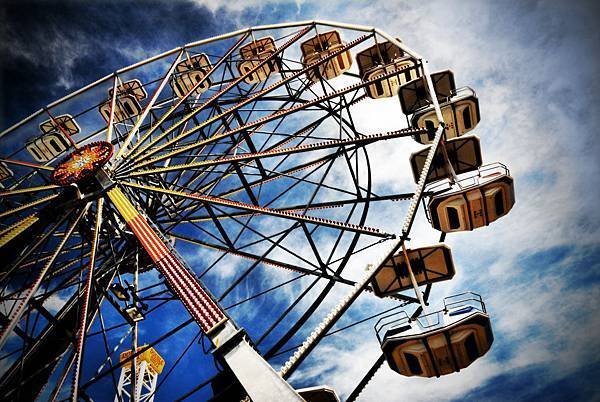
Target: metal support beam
{"x": 257, "y": 377}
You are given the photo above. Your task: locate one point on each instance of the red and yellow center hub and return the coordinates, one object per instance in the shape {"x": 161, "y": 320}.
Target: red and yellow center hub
{"x": 82, "y": 163}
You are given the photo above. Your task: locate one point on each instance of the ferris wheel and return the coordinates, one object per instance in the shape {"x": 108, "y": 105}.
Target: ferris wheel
{"x": 192, "y": 215}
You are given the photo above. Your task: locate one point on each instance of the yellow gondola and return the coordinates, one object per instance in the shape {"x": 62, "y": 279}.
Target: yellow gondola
{"x": 414, "y": 95}
{"x": 253, "y": 54}
{"x": 129, "y": 95}
{"x": 429, "y": 264}
{"x": 438, "y": 343}
{"x": 384, "y": 58}
{"x": 64, "y": 122}
{"x": 464, "y": 154}
{"x": 323, "y": 45}
{"x": 190, "y": 72}
{"x": 480, "y": 200}
{"x": 460, "y": 112}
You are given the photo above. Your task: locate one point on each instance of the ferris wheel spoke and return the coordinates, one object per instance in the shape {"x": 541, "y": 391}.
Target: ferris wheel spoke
{"x": 257, "y": 258}
{"x": 220, "y": 93}
{"x": 361, "y": 141}
{"x": 311, "y": 126}
{"x": 42, "y": 256}
{"x": 136, "y": 150}
{"x": 252, "y": 98}
{"x": 28, "y": 190}
{"x": 265, "y": 211}
{"x": 297, "y": 207}
{"x": 59, "y": 270}
{"x": 135, "y": 129}
{"x": 27, "y": 205}
{"x": 112, "y": 106}
{"x": 269, "y": 239}
{"x": 14, "y": 230}
{"x": 144, "y": 161}
{"x": 16, "y": 314}
{"x": 36, "y": 243}
{"x": 274, "y": 175}
{"x": 28, "y": 164}
{"x": 85, "y": 301}
{"x": 234, "y": 146}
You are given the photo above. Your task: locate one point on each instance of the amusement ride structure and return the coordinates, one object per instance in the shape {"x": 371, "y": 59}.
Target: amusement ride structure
{"x": 212, "y": 197}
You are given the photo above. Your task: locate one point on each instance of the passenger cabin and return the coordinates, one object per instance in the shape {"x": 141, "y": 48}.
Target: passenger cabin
{"x": 385, "y": 58}
{"x": 460, "y": 112}
{"x": 438, "y": 343}
{"x": 53, "y": 141}
{"x": 63, "y": 123}
{"x": 321, "y": 393}
{"x": 479, "y": 200}
{"x": 127, "y": 105}
{"x": 464, "y": 154}
{"x": 190, "y": 72}
{"x": 324, "y": 45}
{"x": 47, "y": 146}
{"x": 255, "y": 53}
{"x": 414, "y": 95}
{"x": 428, "y": 264}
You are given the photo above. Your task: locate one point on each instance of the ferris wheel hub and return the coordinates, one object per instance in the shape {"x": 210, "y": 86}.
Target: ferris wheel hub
{"x": 82, "y": 164}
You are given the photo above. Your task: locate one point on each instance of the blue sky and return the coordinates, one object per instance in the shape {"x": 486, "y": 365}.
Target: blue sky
{"x": 534, "y": 66}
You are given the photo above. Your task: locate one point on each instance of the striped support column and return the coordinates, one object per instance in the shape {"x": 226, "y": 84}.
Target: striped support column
{"x": 201, "y": 306}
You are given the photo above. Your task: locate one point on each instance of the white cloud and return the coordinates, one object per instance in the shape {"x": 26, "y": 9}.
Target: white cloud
{"x": 239, "y": 6}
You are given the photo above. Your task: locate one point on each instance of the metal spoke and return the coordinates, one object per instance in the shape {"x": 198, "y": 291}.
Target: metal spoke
{"x": 86, "y": 295}
{"x": 22, "y": 304}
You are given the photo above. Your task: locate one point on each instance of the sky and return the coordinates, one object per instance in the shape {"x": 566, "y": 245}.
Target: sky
{"x": 534, "y": 66}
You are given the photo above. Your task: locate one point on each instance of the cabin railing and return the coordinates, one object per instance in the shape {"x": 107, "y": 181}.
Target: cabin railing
{"x": 399, "y": 322}
{"x": 470, "y": 179}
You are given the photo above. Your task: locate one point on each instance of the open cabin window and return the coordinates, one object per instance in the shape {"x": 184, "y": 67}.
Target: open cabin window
{"x": 495, "y": 202}
{"x": 412, "y": 361}
{"x": 128, "y": 108}
{"x": 53, "y": 142}
{"x": 466, "y": 115}
{"x": 453, "y": 218}
{"x": 408, "y": 75}
{"x": 499, "y": 202}
{"x": 471, "y": 347}
{"x": 36, "y": 153}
